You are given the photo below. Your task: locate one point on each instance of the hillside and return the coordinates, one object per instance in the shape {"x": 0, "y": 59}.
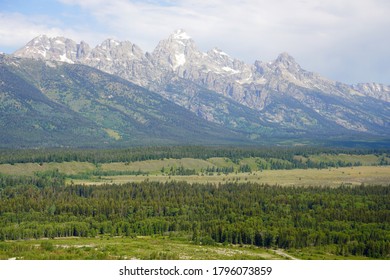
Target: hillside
{"x": 60, "y": 104}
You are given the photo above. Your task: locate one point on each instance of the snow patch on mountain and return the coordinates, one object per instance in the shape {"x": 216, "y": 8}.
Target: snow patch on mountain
{"x": 219, "y": 52}
{"x": 63, "y": 58}
{"x": 180, "y": 34}
{"x": 231, "y": 70}
{"x": 180, "y": 60}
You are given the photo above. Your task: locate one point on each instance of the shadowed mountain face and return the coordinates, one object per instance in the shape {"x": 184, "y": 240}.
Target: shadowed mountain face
{"x": 218, "y": 98}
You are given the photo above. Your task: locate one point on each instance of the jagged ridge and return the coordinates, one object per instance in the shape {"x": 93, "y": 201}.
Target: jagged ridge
{"x": 280, "y": 93}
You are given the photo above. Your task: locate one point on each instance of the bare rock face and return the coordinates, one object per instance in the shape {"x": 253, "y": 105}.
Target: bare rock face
{"x": 120, "y": 58}
{"x": 280, "y": 91}
{"x": 374, "y": 90}
{"x": 43, "y": 47}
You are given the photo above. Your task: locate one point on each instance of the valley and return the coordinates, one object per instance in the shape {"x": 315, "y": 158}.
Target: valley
{"x": 194, "y": 203}
{"x": 110, "y": 152}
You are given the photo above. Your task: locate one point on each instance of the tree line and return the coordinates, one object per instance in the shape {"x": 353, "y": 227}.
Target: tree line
{"x": 200, "y": 152}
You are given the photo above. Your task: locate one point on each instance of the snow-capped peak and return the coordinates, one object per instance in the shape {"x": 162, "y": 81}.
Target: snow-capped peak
{"x": 180, "y": 34}
{"x": 50, "y": 48}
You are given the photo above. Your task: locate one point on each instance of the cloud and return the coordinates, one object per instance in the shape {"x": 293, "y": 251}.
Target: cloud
{"x": 341, "y": 39}
{"x": 17, "y": 29}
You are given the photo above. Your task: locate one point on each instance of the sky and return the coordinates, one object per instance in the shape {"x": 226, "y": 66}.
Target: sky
{"x": 343, "y": 40}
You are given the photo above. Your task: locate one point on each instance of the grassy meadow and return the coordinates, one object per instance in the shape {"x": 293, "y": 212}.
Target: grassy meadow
{"x": 151, "y": 248}
{"x": 296, "y": 177}
{"x": 161, "y": 170}
{"x": 125, "y": 248}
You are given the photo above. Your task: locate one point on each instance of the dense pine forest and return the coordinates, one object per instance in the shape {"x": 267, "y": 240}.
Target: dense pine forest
{"x": 276, "y": 157}
{"x": 356, "y": 220}
{"x": 345, "y": 220}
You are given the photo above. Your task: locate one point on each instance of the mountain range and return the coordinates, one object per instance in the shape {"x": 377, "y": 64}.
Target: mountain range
{"x": 70, "y": 94}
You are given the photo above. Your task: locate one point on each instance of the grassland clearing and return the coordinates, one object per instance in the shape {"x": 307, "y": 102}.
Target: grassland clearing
{"x": 163, "y": 170}
{"x": 125, "y": 248}
{"x": 28, "y": 169}
{"x": 153, "y": 248}
{"x": 303, "y": 177}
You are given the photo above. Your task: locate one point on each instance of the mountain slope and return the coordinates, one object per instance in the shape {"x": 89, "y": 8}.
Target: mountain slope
{"x": 264, "y": 100}
{"x": 29, "y": 118}
{"x": 62, "y": 103}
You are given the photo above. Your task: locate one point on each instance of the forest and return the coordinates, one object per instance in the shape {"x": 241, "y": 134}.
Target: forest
{"x": 356, "y": 220}
{"x": 176, "y": 152}
{"x": 345, "y": 220}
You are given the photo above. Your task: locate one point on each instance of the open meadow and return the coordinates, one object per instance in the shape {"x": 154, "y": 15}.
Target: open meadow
{"x": 125, "y": 248}
{"x": 296, "y": 177}
{"x": 216, "y": 170}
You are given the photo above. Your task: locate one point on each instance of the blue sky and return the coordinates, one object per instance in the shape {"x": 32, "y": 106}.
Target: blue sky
{"x": 344, "y": 40}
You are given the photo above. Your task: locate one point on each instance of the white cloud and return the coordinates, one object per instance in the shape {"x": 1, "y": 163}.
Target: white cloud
{"x": 17, "y": 29}
{"x": 340, "y": 39}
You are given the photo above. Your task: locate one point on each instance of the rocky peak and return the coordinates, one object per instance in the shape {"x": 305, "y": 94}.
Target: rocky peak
{"x": 109, "y": 44}
{"x": 286, "y": 61}
{"x": 225, "y": 62}
{"x": 44, "y": 47}
{"x": 284, "y": 70}
{"x": 114, "y": 50}
{"x": 180, "y": 35}
{"x": 175, "y": 51}
{"x": 179, "y": 41}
